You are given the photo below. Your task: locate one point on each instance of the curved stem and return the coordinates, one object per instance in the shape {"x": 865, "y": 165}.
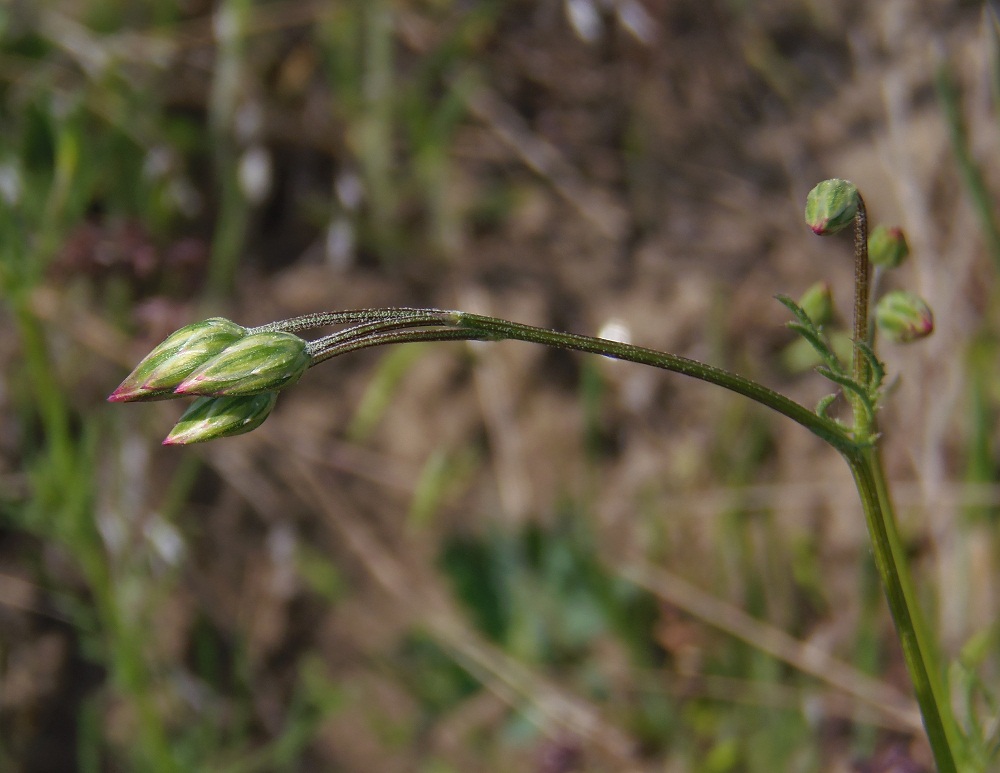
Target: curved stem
{"x": 503, "y": 329}
{"x": 385, "y": 326}
{"x": 348, "y": 317}
{"x": 320, "y": 348}
{"x": 392, "y": 337}
{"x": 918, "y": 653}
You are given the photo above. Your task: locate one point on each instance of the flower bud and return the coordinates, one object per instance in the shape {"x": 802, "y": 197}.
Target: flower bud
{"x": 817, "y": 303}
{"x": 902, "y": 316}
{"x": 887, "y": 246}
{"x": 209, "y": 418}
{"x": 164, "y": 368}
{"x": 831, "y": 206}
{"x": 259, "y": 362}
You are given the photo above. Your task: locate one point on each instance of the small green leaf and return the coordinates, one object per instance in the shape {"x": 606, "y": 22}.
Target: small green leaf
{"x": 875, "y": 365}
{"x": 853, "y": 386}
{"x": 823, "y": 406}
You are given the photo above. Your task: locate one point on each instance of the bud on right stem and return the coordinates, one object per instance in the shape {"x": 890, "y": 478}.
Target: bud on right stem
{"x": 887, "y": 246}
{"x": 902, "y": 316}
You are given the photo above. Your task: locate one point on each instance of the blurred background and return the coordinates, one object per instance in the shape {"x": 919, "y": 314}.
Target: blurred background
{"x": 493, "y": 557}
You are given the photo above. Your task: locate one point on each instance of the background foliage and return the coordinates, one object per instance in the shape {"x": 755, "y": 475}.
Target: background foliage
{"x": 483, "y": 557}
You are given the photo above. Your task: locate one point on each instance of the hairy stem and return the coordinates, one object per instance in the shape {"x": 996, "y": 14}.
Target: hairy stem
{"x": 918, "y": 652}
{"x": 503, "y": 329}
{"x": 376, "y": 327}
{"x": 862, "y": 273}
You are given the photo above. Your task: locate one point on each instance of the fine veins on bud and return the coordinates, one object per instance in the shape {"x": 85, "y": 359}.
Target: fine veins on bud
{"x": 902, "y": 317}
{"x": 173, "y": 360}
{"x": 210, "y": 418}
{"x": 831, "y": 206}
{"x": 259, "y": 362}
{"x": 887, "y": 246}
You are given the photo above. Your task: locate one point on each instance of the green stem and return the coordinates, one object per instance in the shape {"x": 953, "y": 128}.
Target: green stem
{"x": 386, "y": 326}
{"x": 349, "y": 317}
{"x": 336, "y": 348}
{"x": 918, "y": 652}
{"x": 320, "y": 348}
{"x": 503, "y": 329}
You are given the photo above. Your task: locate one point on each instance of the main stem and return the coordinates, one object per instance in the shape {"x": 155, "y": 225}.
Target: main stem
{"x": 918, "y": 651}
{"x": 890, "y": 559}
{"x": 382, "y": 326}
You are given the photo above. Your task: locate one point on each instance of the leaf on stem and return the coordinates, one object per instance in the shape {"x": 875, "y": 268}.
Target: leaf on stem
{"x": 852, "y": 386}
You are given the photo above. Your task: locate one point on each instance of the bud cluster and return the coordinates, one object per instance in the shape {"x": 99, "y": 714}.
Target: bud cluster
{"x": 900, "y": 316}
{"x": 236, "y": 373}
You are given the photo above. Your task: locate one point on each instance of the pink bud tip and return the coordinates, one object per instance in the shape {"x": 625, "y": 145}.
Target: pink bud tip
{"x": 188, "y": 386}
{"x": 123, "y": 395}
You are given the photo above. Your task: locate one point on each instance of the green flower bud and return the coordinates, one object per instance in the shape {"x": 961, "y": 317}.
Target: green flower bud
{"x": 164, "y": 368}
{"x": 831, "y": 206}
{"x": 903, "y": 317}
{"x": 259, "y": 362}
{"x": 209, "y": 418}
{"x": 817, "y": 303}
{"x": 887, "y": 246}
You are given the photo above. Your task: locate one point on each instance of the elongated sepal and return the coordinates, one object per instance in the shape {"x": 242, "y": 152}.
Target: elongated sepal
{"x": 259, "y": 362}
{"x": 887, "y": 246}
{"x": 831, "y": 206}
{"x": 210, "y": 418}
{"x": 902, "y": 317}
{"x": 179, "y": 355}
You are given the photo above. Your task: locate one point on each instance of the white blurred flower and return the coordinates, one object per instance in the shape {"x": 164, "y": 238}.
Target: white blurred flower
{"x": 339, "y": 243}
{"x": 584, "y": 19}
{"x": 636, "y": 19}
{"x": 11, "y": 184}
{"x": 255, "y": 173}
{"x": 349, "y": 190}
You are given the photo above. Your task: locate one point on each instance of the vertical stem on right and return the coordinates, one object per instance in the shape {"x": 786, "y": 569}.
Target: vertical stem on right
{"x": 862, "y": 273}
{"x": 862, "y": 290}
{"x": 918, "y": 651}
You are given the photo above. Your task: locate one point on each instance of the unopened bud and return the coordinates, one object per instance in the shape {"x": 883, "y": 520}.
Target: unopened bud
{"x": 210, "y": 418}
{"x": 887, "y": 246}
{"x": 817, "y": 303}
{"x": 902, "y": 316}
{"x": 179, "y": 355}
{"x": 260, "y": 362}
{"x": 831, "y": 206}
